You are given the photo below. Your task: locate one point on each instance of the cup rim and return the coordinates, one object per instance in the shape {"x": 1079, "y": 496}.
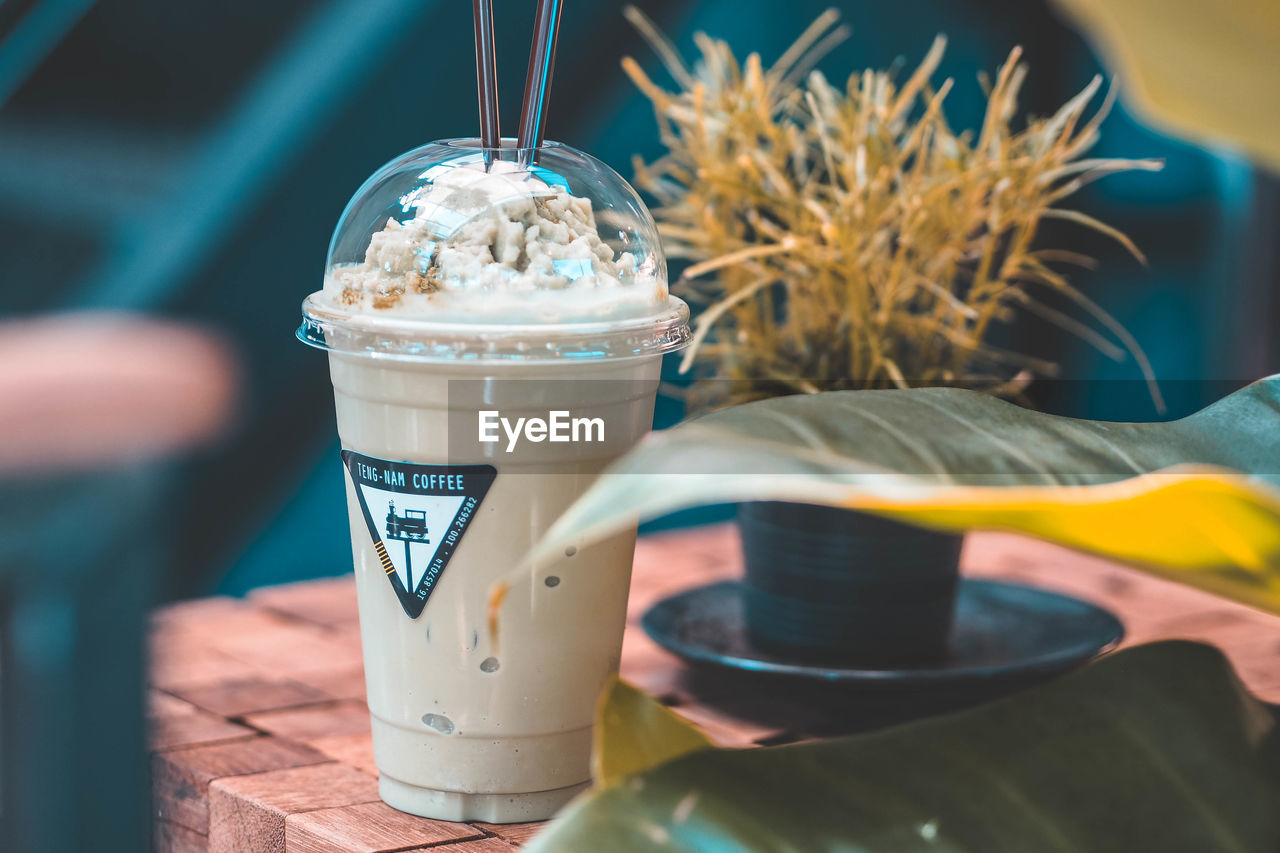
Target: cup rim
{"x": 331, "y": 329}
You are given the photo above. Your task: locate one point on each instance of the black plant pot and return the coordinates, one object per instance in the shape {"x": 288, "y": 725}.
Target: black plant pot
{"x": 832, "y": 585}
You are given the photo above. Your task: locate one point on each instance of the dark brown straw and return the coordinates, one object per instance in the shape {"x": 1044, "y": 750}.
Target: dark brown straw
{"x": 537, "y": 84}
{"x": 487, "y": 78}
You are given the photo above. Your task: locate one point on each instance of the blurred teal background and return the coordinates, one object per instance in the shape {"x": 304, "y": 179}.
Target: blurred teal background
{"x": 191, "y": 159}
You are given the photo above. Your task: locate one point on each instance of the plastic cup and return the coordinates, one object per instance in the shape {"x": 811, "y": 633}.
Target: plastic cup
{"x": 468, "y": 724}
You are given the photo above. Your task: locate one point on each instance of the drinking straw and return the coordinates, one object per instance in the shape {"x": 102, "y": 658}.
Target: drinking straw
{"x": 537, "y": 84}
{"x": 486, "y": 78}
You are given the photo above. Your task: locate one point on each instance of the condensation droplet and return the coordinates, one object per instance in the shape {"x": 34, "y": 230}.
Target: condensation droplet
{"x": 552, "y": 580}
{"x": 571, "y": 550}
{"x": 489, "y": 665}
{"x": 439, "y": 722}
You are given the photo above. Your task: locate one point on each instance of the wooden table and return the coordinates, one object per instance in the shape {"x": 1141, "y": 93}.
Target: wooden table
{"x": 247, "y": 759}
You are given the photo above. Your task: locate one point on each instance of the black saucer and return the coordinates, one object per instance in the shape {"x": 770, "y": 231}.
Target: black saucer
{"x": 1004, "y": 635}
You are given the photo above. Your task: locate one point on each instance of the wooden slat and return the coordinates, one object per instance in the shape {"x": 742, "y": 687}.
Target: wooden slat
{"x": 181, "y": 663}
{"x": 341, "y": 683}
{"x": 193, "y": 611}
{"x": 483, "y": 845}
{"x": 667, "y": 564}
{"x": 330, "y": 602}
{"x": 1137, "y": 598}
{"x": 169, "y": 837}
{"x": 247, "y": 813}
{"x": 173, "y": 723}
{"x": 240, "y": 696}
{"x": 233, "y": 623}
{"x": 367, "y": 828}
{"x": 353, "y": 750}
{"x": 180, "y": 778}
{"x": 290, "y": 649}
{"x": 314, "y": 722}
{"x": 516, "y": 833}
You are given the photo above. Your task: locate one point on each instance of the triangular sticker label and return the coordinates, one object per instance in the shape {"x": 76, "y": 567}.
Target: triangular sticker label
{"x": 416, "y": 516}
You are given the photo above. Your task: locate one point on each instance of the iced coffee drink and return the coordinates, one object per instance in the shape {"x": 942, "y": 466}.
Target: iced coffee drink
{"x": 495, "y": 333}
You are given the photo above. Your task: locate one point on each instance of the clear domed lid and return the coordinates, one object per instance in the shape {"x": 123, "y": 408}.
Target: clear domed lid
{"x": 451, "y": 250}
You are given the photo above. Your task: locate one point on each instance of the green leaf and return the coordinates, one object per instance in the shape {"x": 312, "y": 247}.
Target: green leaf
{"x": 1196, "y": 500}
{"x": 635, "y": 733}
{"x": 1201, "y": 70}
{"x": 1156, "y": 748}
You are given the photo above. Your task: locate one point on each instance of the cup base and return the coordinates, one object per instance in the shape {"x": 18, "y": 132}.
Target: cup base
{"x": 458, "y": 806}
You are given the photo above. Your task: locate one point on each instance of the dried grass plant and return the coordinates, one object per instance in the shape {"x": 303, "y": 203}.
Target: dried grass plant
{"x": 848, "y": 238}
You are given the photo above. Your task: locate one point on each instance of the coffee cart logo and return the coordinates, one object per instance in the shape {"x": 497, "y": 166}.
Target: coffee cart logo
{"x": 416, "y": 515}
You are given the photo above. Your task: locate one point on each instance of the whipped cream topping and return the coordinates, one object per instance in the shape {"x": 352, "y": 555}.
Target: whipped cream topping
{"x": 494, "y": 246}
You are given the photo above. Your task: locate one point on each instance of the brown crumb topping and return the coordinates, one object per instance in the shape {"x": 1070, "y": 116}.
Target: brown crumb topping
{"x": 388, "y": 298}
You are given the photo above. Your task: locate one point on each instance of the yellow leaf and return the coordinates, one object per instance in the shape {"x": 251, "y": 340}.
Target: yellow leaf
{"x": 634, "y": 733}
{"x": 1213, "y": 529}
{"x": 1195, "y": 500}
{"x": 1204, "y": 70}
